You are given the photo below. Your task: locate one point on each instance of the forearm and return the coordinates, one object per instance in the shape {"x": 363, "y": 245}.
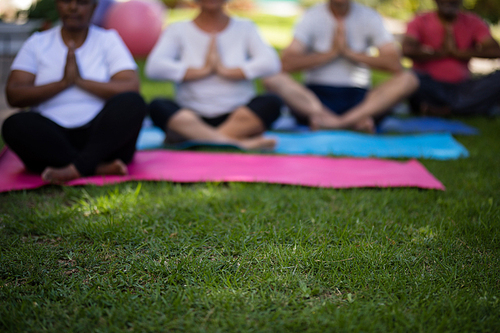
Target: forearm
{"x": 106, "y": 90}
{"x": 235, "y": 74}
{"x": 298, "y": 62}
{"x": 414, "y": 50}
{"x": 389, "y": 64}
{"x": 193, "y": 74}
{"x": 476, "y": 53}
{"x": 423, "y": 54}
{"x": 23, "y": 95}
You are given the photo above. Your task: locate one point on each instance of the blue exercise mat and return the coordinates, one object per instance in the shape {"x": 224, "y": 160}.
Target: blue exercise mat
{"x": 440, "y": 146}
{"x": 394, "y": 125}
{"x": 150, "y": 138}
{"x": 153, "y": 138}
{"x": 343, "y": 143}
{"x": 425, "y": 125}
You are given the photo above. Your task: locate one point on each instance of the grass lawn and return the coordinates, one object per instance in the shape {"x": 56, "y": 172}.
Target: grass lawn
{"x": 257, "y": 257}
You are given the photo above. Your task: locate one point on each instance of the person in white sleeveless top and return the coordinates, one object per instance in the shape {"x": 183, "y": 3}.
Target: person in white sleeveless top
{"x": 213, "y": 60}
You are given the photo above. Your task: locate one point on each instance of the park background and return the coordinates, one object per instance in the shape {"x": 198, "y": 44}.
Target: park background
{"x": 212, "y": 257}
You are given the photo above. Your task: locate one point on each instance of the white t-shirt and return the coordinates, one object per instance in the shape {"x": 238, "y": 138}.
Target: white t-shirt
{"x": 102, "y": 55}
{"x": 184, "y": 44}
{"x": 364, "y": 29}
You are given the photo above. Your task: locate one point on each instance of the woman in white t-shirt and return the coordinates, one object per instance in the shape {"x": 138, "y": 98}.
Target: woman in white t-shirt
{"x": 213, "y": 60}
{"x": 80, "y": 85}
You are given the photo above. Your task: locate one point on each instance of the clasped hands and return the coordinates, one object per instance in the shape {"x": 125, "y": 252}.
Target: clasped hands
{"x": 340, "y": 48}
{"x": 213, "y": 64}
{"x": 71, "y": 71}
{"x": 449, "y": 47}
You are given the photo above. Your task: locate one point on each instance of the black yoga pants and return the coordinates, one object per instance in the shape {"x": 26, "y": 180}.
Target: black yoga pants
{"x": 266, "y": 107}
{"x": 39, "y": 142}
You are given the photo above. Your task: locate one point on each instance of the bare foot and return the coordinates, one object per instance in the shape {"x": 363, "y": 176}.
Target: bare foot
{"x": 325, "y": 121}
{"x": 172, "y": 138}
{"x": 117, "y": 167}
{"x": 366, "y": 125}
{"x": 60, "y": 175}
{"x": 258, "y": 142}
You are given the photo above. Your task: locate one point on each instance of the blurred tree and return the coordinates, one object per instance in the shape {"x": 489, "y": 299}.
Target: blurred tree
{"x": 405, "y": 9}
{"x": 45, "y": 10}
{"x": 488, "y": 9}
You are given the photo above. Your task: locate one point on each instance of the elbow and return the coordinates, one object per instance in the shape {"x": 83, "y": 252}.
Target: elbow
{"x": 287, "y": 65}
{"x": 274, "y": 67}
{"x": 287, "y": 68}
{"x": 149, "y": 70}
{"x": 13, "y": 100}
{"x": 394, "y": 67}
{"x": 135, "y": 86}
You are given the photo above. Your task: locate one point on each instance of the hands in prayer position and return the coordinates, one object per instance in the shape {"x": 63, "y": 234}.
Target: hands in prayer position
{"x": 71, "y": 71}
{"x": 339, "y": 45}
{"x": 213, "y": 65}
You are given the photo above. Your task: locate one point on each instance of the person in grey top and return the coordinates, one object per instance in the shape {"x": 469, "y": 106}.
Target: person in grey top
{"x": 336, "y": 44}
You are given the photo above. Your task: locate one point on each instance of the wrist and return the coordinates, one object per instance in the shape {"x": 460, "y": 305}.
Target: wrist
{"x": 349, "y": 55}
{"x": 79, "y": 81}
{"x": 207, "y": 70}
{"x": 333, "y": 54}
{"x": 221, "y": 70}
{"x": 65, "y": 83}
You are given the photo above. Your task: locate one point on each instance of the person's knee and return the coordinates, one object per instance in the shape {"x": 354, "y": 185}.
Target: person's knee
{"x": 278, "y": 82}
{"x": 271, "y": 83}
{"x": 274, "y": 106}
{"x": 181, "y": 118}
{"x": 267, "y": 108}
{"x": 14, "y": 126}
{"x": 9, "y": 127}
{"x": 135, "y": 102}
{"x": 408, "y": 81}
{"x": 161, "y": 110}
{"x": 243, "y": 115}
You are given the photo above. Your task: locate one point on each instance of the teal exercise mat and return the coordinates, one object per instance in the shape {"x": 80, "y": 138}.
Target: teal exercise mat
{"x": 341, "y": 143}
{"x": 150, "y": 137}
{"x": 391, "y": 124}
{"x": 153, "y": 138}
{"x": 441, "y": 146}
{"x": 425, "y": 125}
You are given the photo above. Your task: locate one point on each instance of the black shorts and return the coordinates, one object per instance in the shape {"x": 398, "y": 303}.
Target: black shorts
{"x": 471, "y": 97}
{"x": 266, "y": 107}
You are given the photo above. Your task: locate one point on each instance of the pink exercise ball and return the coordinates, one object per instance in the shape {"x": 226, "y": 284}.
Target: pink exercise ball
{"x": 138, "y": 22}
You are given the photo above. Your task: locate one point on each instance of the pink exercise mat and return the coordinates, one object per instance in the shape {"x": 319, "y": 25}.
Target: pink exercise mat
{"x": 189, "y": 167}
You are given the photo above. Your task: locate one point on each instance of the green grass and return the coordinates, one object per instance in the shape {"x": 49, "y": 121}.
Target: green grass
{"x": 258, "y": 257}
{"x": 216, "y": 257}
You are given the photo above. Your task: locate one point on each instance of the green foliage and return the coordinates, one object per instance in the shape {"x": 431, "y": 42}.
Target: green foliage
{"x": 405, "y": 9}
{"x": 489, "y": 9}
{"x": 44, "y": 9}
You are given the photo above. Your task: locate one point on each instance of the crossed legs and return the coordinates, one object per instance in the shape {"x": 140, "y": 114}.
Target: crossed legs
{"x": 61, "y": 154}
{"x": 242, "y": 128}
{"x": 360, "y": 117}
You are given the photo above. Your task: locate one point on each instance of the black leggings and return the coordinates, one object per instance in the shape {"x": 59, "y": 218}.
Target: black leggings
{"x": 471, "y": 97}
{"x": 266, "y": 107}
{"x": 39, "y": 142}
